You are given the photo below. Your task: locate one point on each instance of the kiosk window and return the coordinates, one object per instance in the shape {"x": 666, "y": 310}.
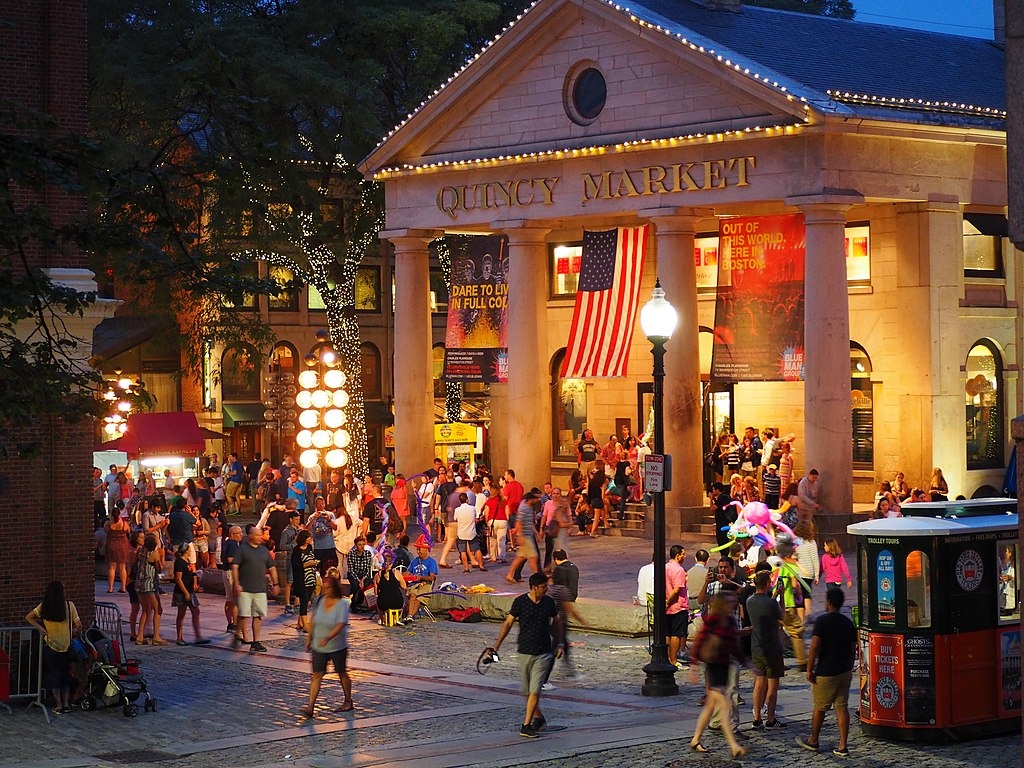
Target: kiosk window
{"x": 919, "y": 590}
{"x": 1009, "y": 584}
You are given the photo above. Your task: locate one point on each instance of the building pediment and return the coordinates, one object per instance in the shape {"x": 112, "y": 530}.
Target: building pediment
{"x": 528, "y": 92}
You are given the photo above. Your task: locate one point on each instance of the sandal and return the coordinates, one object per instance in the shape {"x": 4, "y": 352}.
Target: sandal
{"x": 698, "y": 747}
{"x": 347, "y": 706}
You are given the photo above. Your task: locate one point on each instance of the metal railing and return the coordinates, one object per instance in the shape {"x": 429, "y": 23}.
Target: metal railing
{"x": 21, "y": 663}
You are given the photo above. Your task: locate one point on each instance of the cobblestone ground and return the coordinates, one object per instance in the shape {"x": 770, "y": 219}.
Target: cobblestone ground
{"x": 417, "y": 691}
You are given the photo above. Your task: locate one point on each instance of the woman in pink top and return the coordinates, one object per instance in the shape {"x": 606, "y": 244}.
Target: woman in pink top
{"x": 833, "y": 566}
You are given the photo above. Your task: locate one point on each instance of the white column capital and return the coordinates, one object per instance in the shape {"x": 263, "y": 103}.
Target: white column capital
{"x": 683, "y": 221}
{"x": 827, "y": 206}
{"x": 409, "y": 239}
{"x": 522, "y": 231}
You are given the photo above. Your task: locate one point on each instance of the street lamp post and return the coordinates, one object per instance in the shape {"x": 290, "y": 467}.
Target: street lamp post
{"x": 280, "y": 404}
{"x": 658, "y": 319}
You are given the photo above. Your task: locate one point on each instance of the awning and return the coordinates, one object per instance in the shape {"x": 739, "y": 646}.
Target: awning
{"x": 244, "y": 415}
{"x": 160, "y": 434}
{"x": 994, "y": 224}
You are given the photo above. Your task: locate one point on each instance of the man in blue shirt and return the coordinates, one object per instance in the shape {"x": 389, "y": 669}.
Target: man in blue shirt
{"x": 236, "y": 479}
{"x": 420, "y": 576}
{"x": 297, "y": 489}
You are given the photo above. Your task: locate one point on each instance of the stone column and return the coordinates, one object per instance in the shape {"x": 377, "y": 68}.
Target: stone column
{"x": 827, "y": 420}
{"x": 414, "y": 394}
{"x": 929, "y": 274}
{"x": 526, "y": 429}
{"x": 675, "y": 266}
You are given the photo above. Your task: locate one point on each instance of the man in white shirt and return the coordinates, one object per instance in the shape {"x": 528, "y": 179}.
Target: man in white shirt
{"x": 645, "y": 583}
{"x": 469, "y": 542}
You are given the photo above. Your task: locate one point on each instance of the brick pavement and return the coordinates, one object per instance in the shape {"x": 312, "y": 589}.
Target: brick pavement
{"x": 420, "y": 703}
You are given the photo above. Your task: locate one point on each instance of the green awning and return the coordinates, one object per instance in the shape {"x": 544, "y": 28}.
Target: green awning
{"x": 244, "y": 415}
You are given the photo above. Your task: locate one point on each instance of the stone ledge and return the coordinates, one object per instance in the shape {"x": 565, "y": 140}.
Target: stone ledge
{"x": 600, "y": 615}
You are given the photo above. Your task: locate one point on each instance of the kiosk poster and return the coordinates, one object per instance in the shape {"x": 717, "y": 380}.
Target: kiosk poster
{"x": 864, "y": 672}
{"x": 759, "y": 304}
{"x": 1009, "y": 663}
{"x": 919, "y": 679}
{"x": 885, "y": 595}
{"x": 476, "y": 341}
{"x": 887, "y": 698}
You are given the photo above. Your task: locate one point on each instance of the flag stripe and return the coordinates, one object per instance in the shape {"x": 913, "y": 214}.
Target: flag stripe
{"x": 606, "y": 303}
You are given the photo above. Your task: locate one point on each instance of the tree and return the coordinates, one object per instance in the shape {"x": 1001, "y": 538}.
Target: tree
{"x": 840, "y": 9}
{"x": 235, "y": 121}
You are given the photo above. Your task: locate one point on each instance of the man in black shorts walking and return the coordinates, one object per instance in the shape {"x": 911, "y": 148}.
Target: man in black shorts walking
{"x": 538, "y": 623}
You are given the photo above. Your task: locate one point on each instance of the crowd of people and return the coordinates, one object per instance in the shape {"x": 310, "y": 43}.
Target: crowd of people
{"x": 736, "y": 612}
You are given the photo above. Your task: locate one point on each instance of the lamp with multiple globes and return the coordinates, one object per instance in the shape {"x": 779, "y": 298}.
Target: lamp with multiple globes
{"x": 322, "y": 397}
{"x": 658, "y": 319}
{"x": 280, "y": 402}
{"x": 123, "y": 397}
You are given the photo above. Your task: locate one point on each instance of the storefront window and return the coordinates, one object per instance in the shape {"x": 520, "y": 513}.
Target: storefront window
{"x": 984, "y": 398}
{"x": 858, "y": 256}
{"x": 238, "y": 377}
{"x": 285, "y": 358}
{"x": 1009, "y": 583}
{"x": 862, "y": 408}
{"x": 919, "y": 590}
{"x": 286, "y": 300}
{"x": 565, "y": 268}
{"x": 250, "y": 270}
{"x": 983, "y": 236}
{"x": 569, "y": 409}
{"x": 438, "y": 290}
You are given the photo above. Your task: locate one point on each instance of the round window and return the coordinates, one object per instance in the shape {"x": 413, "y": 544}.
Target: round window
{"x": 589, "y": 94}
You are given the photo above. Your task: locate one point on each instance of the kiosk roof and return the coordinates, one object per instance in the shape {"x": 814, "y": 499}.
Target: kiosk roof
{"x": 932, "y": 526}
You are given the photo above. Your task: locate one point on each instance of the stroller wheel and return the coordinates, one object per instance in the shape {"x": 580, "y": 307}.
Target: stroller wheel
{"x": 131, "y": 710}
{"x": 88, "y": 704}
{"x": 150, "y": 705}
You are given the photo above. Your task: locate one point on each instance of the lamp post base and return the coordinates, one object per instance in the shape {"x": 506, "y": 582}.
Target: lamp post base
{"x": 660, "y": 680}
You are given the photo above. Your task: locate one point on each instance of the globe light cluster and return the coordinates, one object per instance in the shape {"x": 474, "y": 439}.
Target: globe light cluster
{"x": 123, "y": 397}
{"x": 322, "y": 398}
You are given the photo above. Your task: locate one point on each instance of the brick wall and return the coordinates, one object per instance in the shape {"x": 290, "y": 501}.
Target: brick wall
{"x": 45, "y": 465}
{"x": 44, "y": 66}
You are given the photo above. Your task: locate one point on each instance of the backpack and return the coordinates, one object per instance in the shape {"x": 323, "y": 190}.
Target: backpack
{"x": 321, "y": 527}
{"x": 465, "y": 615}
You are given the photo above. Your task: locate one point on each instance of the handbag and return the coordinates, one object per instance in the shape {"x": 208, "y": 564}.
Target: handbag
{"x": 708, "y": 646}
{"x": 551, "y": 529}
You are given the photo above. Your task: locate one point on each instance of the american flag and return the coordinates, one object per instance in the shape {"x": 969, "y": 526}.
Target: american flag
{"x": 606, "y": 303}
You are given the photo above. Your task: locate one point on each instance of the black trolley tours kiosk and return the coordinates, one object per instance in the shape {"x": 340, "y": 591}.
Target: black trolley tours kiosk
{"x": 939, "y": 621}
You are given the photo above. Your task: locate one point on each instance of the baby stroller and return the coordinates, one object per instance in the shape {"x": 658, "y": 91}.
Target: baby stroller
{"x": 111, "y": 682}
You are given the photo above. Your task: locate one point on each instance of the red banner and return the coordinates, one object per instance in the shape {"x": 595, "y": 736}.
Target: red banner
{"x": 759, "y": 309}
{"x": 885, "y": 659}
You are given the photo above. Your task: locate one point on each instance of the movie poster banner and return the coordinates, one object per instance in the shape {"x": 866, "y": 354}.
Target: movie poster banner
{"x": 476, "y": 341}
{"x": 759, "y": 307}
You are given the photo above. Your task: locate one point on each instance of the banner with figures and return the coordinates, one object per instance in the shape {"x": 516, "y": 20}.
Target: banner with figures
{"x": 476, "y": 341}
{"x": 759, "y": 306}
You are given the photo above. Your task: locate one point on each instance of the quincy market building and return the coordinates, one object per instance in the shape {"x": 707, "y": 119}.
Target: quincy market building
{"x": 890, "y": 142}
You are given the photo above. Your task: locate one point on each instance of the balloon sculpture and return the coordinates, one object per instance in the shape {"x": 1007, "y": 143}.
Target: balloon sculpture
{"x": 757, "y": 522}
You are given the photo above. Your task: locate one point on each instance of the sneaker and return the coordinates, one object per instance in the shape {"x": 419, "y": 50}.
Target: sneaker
{"x": 547, "y": 687}
{"x": 774, "y": 724}
{"x": 528, "y": 731}
{"x": 257, "y": 647}
{"x": 62, "y": 711}
{"x": 538, "y": 724}
{"x": 682, "y": 665}
{"x": 841, "y": 752}
{"x": 409, "y": 619}
{"x": 806, "y": 745}
{"x": 757, "y": 725}
{"x": 231, "y": 628}
{"x": 289, "y": 610}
